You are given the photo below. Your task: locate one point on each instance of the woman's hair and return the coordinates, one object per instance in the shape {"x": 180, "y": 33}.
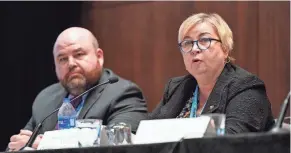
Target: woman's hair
{"x": 221, "y": 27}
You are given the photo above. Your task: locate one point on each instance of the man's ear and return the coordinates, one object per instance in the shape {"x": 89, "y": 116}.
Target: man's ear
{"x": 100, "y": 56}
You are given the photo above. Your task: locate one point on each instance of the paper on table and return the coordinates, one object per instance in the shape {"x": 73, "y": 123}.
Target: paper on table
{"x": 59, "y": 139}
{"x": 68, "y": 138}
{"x": 171, "y": 130}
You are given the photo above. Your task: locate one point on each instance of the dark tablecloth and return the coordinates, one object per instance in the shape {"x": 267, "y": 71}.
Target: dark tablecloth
{"x": 243, "y": 143}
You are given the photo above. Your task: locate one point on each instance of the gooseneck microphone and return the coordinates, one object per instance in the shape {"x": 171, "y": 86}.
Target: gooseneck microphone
{"x": 278, "y": 125}
{"x": 29, "y": 143}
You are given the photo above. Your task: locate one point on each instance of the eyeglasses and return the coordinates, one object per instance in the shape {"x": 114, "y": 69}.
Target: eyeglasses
{"x": 186, "y": 46}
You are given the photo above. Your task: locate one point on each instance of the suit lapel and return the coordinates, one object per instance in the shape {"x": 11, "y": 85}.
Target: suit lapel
{"x": 94, "y": 95}
{"x": 51, "y": 122}
{"x": 216, "y": 94}
{"x": 90, "y": 100}
{"x": 178, "y": 99}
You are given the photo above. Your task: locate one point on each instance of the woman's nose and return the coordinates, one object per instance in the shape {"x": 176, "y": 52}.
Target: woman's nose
{"x": 195, "y": 49}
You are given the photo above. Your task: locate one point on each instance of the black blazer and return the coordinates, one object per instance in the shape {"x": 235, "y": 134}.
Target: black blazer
{"x": 122, "y": 101}
{"x": 237, "y": 93}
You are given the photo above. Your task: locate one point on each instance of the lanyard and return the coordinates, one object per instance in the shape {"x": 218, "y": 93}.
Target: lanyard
{"x": 80, "y": 106}
{"x": 195, "y": 104}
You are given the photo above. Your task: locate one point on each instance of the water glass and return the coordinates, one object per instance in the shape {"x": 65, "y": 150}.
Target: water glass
{"x": 217, "y": 122}
{"x": 89, "y": 132}
{"x": 118, "y": 134}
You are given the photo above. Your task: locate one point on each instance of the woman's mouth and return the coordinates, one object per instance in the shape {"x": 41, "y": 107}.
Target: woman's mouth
{"x": 196, "y": 60}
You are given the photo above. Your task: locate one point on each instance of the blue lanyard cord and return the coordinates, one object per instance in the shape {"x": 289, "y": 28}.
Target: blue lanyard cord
{"x": 80, "y": 106}
{"x": 195, "y": 104}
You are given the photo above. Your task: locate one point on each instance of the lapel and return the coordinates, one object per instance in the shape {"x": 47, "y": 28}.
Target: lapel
{"x": 218, "y": 91}
{"x": 94, "y": 95}
{"x": 179, "y": 94}
{"x": 56, "y": 102}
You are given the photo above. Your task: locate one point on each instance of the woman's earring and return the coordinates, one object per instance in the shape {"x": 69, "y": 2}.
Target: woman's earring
{"x": 227, "y": 60}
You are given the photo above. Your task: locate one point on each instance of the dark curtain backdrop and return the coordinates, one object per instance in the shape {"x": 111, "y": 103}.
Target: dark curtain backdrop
{"x": 28, "y": 32}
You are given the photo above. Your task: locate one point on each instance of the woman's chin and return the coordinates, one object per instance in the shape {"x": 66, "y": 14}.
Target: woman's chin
{"x": 198, "y": 71}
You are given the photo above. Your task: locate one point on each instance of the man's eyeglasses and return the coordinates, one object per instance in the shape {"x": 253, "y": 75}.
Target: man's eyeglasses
{"x": 186, "y": 46}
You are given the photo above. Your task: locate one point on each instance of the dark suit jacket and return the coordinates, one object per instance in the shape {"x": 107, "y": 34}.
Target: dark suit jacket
{"x": 237, "y": 93}
{"x": 122, "y": 101}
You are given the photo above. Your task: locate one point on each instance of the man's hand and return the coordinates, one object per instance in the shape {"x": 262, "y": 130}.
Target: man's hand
{"x": 18, "y": 141}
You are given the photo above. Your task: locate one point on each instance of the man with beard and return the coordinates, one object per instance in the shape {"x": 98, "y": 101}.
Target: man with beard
{"x": 79, "y": 66}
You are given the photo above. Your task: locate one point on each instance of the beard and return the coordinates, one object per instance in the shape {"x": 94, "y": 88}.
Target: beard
{"x": 79, "y": 82}
{"x": 76, "y": 85}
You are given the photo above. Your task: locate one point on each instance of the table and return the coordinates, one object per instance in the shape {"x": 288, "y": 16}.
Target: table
{"x": 241, "y": 143}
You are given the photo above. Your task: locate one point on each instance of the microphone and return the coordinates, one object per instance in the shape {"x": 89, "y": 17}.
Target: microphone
{"x": 29, "y": 143}
{"x": 278, "y": 125}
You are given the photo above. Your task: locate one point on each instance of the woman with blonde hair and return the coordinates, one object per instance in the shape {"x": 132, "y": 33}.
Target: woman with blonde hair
{"x": 214, "y": 84}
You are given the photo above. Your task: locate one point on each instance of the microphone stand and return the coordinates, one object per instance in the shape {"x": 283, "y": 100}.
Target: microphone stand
{"x": 278, "y": 125}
